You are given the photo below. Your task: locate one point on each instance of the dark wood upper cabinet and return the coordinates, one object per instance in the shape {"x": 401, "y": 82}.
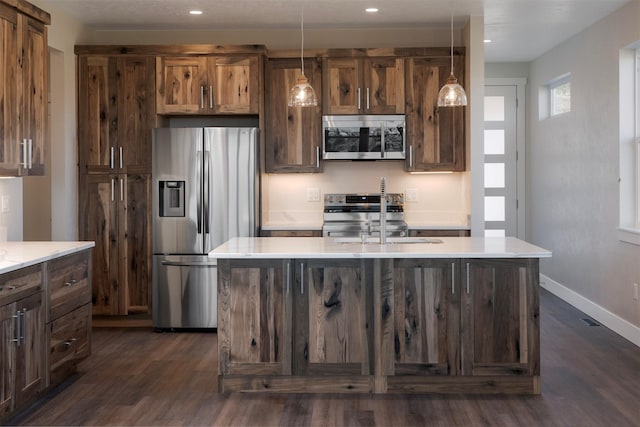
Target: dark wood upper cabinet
{"x": 293, "y": 135}
{"x": 435, "y": 135}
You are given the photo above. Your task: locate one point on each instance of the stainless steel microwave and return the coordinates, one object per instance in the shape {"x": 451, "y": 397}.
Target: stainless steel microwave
{"x": 363, "y": 137}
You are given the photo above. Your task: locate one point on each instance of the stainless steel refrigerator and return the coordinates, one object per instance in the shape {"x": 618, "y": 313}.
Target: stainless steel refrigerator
{"x": 205, "y": 184}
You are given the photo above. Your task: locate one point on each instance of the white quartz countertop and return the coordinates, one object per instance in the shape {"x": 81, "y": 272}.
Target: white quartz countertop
{"x": 331, "y": 247}
{"x": 16, "y": 255}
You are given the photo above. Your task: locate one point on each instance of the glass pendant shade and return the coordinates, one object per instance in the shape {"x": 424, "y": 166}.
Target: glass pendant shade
{"x": 302, "y": 94}
{"x": 452, "y": 94}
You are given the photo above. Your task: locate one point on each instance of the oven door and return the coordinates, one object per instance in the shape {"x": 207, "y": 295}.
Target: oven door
{"x": 363, "y": 137}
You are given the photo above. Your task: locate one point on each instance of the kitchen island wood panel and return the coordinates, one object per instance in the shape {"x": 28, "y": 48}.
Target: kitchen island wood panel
{"x": 383, "y": 319}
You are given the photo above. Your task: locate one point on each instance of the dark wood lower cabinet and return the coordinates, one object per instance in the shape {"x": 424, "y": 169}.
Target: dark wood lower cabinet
{"x": 379, "y": 325}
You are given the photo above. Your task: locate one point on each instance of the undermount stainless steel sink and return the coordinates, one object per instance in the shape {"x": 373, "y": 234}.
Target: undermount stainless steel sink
{"x": 390, "y": 240}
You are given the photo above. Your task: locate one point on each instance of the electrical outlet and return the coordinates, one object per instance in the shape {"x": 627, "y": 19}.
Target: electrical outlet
{"x": 313, "y": 194}
{"x": 5, "y": 204}
{"x": 412, "y": 195}
{"x": 635, "y": 291}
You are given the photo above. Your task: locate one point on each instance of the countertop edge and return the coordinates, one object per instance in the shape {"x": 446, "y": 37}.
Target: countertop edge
{"x": 56, "y": 250}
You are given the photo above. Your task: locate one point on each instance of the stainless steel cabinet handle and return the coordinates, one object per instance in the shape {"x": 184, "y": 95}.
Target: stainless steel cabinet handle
{"x": 453, "y": 278}
{"x": 288, "y": 267}
{"x": 368, "y": 103}
{"x": 121, "y": 157}
{"x": 23, "y": 334}
{"x": 317, "y": 157}
{"x": 202, "y": 97}
{"x": 30, "y": 153}
{"x": 24, "y": 153}
{"x": 17, "y": 330}
{"x": 188, "y": 264}
{"x": 11, "y": 288}
{"x": 358, "y": 93}
{"x": 302, "y": 278}
{"x": 71, "y": 282}
{"x": 467, "y": 277}
{"x": 410, "y": 156}
{"x": 69, "y": 342}
{"x": 112, "y": 162}
{"x": 121, "y": 189}
{"x": 211, "y": 97}
{"x": 113, "y": 189}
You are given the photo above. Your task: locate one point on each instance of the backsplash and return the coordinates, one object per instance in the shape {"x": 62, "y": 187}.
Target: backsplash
{"x": 442, "y": 199}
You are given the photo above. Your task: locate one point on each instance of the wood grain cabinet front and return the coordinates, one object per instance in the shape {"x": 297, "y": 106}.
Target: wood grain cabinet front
{"x": 293, "y": 135}
{"x": 22, "y": 339}
{"x": 69, "y": 342}
{"x": 435, "y": 135}
{"x": 363, "y": 86}
{"x": 69, "y": 283}
{"x": 332, "y": 334}
{"x": 208, "y": 84}
{"x": 23, "y": 88}
{"x": 254, "y": 321}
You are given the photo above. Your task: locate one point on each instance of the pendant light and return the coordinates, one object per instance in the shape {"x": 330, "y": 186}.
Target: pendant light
{"x": 452, "y": 94}
{"x": 302, "y": 94}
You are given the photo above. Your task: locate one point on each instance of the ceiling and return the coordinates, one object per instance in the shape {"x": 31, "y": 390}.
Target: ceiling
{"x": 520, "y": 30}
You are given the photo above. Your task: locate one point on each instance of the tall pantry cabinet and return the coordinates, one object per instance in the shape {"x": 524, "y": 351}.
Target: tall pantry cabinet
{"x": 23, "y": 88}
{"x": 115, "y": 120}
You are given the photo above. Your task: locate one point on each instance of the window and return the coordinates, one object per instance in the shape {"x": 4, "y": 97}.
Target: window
{"x": 629, "y": 229}
{"x": 560, "y": 95}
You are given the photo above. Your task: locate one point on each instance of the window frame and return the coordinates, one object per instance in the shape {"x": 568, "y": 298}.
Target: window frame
{"x": 553, "y": 85}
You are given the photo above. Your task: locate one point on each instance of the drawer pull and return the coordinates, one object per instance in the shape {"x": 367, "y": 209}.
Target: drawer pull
{"x": 11, "y": 288}
{"x": 71, "y": 283}
{"x": 69, "y": 343}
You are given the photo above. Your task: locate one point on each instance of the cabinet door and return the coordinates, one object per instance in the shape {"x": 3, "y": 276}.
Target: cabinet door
{"x": 34, "y": 72}
{"x": 10, "y": 149}
{"x": 293, "y": 139}
{"x": 181, "y": 83}
{"x": 342, "y": 86}
{"x": 97, "y": 114}
{"x": 99, "y": 222}
{"x": 331, "y": 335}
{"x": 383, "y": 86}
{"x": 30, "y": 351}
{"x": 254, "y": 317}
{"x": 134, "y": 230}
{"x": 8, "y": 338}
{"x": 426, "y": 318}
{"x": 233, "y": 85}
{"x": 135, "y": 113}
{"x": 436, "y": 135}
{"x": 500, "y": 318}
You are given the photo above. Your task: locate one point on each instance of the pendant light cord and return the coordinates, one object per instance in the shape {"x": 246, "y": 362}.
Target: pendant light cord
{"x": 302, "y": 37}
{"x": 452, "y": 40}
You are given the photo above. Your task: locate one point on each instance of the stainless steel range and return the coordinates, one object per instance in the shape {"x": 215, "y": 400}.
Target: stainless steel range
{"x": 355, "y": 215}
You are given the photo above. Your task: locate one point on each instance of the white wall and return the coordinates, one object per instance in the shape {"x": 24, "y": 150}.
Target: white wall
{"x": 573, "y": 170}
{"x": 11, "y": 221}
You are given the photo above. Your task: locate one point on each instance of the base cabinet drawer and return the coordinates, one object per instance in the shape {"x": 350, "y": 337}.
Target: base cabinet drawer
{"x": 69, "y": 285}
{"x": 69, "y": 342}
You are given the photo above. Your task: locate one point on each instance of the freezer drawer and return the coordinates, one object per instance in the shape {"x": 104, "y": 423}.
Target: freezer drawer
{"x": 184, "y": 292}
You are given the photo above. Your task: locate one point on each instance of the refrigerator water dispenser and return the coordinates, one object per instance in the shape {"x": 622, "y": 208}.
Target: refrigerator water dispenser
{"x": 171, "y": 198}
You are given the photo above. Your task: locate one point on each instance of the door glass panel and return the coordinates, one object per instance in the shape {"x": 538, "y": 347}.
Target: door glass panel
{"x": 494, "y": 208}
{"x": 494, "y": 108}
{"x": 494, "y": 141}
{"x": 494, "y": 175}
{"x": 494, "y": 233}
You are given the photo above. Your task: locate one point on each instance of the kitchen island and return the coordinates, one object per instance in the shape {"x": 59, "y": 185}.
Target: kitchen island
{"x": 45, "y": 318}
{"x": 454, "y": 314}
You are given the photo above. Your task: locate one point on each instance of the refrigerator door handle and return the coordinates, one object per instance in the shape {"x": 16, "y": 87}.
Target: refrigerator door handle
{"x": 188, "y": 264}
{"x": 199, "y": 192}
{"x": 207, "y": 196}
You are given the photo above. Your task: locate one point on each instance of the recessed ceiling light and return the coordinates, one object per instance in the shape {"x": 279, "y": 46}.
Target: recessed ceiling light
{"x": 371, "y": 9}
{"x": 487, "y": 40}
{"x": 195, "y": 12}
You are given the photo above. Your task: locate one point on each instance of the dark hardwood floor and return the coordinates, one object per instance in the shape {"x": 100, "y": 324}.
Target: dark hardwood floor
{"x": 590, "y": 377}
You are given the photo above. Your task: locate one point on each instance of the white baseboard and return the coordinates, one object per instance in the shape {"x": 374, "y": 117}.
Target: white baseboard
{"x": 617, "y": 324}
